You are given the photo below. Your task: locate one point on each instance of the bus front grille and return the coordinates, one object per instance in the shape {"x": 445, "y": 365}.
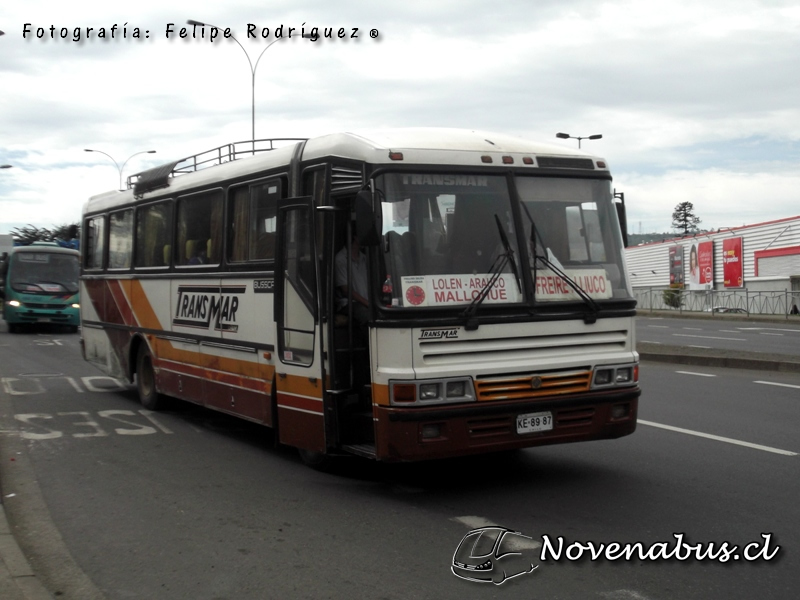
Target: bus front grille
{"x": 534, "y": 385}
{"x": 527, "y": 348}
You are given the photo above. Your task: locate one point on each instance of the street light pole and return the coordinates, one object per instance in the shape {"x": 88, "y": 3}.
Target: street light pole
{"x": 120, "y": 168}
{"x": 566, "y": 136}
{"x": 253, "y": 68}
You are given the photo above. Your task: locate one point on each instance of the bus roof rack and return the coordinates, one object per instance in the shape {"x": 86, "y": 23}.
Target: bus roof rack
{"x": 158, "y": 177}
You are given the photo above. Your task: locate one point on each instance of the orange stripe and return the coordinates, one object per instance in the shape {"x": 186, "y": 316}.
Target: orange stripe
{"x": 141, "y": 306}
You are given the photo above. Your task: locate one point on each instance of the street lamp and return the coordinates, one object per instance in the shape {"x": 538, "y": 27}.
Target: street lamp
{"x": 119, "y": 168}
{"x": 253, "y": 68}
{"x": 6, "y": 166}
{"x": 566, "y": 136}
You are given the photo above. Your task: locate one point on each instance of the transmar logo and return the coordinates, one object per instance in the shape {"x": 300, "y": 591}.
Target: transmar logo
{"x": 207, "y": 306}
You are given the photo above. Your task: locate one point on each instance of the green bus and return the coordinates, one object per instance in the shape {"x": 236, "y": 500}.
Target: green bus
{"x": 39, "y": 284}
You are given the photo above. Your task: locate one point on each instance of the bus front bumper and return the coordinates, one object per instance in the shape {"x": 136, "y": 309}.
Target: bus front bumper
{"x": 411, "y": 434}
{"x": 24, "y": 315}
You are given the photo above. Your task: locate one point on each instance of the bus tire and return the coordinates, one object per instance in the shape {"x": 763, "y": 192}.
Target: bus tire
{"x": 146, "y": 380}
{"x": 13, "y": 328}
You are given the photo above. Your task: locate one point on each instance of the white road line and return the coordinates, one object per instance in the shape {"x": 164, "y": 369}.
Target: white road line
{"x": 659, "y": 326}
{"x": 474, "y": 522}
{"x": 767, "y": 329}
{"x": 693, "y": 328}
{"x": 728, "y": 331}
{"x": 788, "y": 385}
{"x": 709, "y": 337}
{"x": 767, "y": 333}
{"x": 697, "y": 374}
{"x": 701, "y": 347}
{"x": 719, "y": 438}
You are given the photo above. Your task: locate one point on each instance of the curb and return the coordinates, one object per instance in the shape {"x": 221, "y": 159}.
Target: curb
{"x": 683, "y": 355}
{"x": 17, "y": 579}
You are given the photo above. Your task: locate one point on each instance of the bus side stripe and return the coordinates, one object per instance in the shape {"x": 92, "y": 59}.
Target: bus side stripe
{"x": 301, "y": 403}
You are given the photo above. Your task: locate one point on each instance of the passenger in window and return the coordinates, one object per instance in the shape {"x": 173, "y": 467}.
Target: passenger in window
{"x": 359, "y": 288}
{"x": 199, "y": 258}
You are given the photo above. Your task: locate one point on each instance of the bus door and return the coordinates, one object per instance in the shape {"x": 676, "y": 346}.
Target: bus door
{"x": 346, "y": 341}
{"x": 299, "y": 369}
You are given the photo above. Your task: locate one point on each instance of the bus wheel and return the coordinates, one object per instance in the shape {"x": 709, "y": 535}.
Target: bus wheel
{"x": 13, "y": 328}
{"x": 146, "y": 381}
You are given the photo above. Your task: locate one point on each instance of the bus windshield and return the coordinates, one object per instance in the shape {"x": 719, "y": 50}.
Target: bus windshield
{"x": 43, "y": 273}
{"x": 445, "y": 237}
{"x": 571, "y": 226}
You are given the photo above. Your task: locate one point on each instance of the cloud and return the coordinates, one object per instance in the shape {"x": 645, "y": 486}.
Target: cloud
{"x": 697, "y": 97}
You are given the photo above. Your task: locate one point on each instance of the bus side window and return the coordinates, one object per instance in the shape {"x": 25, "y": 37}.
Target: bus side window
{"x": 94, "y": 245}
{"x": 120, "y": 239}
{"x": 252, "y": 219}
{"x": 153, "y": 231}
{"x": 199, "y": 222}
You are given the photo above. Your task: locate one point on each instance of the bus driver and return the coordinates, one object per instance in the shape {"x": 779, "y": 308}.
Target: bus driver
{"x": 359, "y": 289}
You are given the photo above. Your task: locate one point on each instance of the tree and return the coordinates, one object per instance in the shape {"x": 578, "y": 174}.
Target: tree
{"x": 683, "y": 218}
{"x": 61, "y": 233}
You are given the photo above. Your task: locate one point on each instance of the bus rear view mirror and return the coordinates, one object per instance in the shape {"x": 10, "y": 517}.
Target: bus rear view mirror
{"x": 365, "y": 219}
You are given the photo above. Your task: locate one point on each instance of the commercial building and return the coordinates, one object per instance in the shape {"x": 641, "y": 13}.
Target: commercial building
{"x": 752, "y": 268}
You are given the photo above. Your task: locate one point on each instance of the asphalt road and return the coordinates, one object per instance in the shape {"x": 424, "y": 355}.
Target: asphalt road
{"x": 737, "y": 334}
{"x": 192, "y": 504}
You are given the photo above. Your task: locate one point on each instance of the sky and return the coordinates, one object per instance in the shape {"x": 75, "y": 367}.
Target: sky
{"x": 696, "y": 100}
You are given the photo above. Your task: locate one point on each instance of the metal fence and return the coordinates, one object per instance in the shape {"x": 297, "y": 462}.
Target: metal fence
{"x": 718, "y": 301}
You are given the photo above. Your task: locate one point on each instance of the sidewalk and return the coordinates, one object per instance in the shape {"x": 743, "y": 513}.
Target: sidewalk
{"x": 17, "y": 579}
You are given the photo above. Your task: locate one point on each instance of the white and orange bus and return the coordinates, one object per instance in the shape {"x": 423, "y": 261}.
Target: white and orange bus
{"x": 499, "y": 316}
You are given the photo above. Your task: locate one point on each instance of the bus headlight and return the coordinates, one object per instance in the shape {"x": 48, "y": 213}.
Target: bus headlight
{"x": 624, "y": 375}
{"x": 76, "y": 305}
{"x": 456, "y": 389}
{"x": 404, "y": 393}
{"x": 428, "y": 391}
{"x": 607, "y": 376}
{"x": 14, "y": 303}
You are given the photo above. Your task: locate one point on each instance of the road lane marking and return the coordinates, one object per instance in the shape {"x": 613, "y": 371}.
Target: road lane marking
{"x": 693, "y": 328}
{"x": 768, "y": 333}
{"x": 709, "y": 337}
{"x": 767, "y": 329}
{"x": 719, "y": 438}
{"x": 788, "y": 385}
{"x": 659, "y": 326}
{"x": 701, "y": 347}
{"x": 475, "y": 522}
{"x": 697, "y": 374}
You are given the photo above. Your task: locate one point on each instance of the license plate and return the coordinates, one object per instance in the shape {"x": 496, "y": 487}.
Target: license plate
{"x": 532, "y": 422}
{"x": 43, "y": 320}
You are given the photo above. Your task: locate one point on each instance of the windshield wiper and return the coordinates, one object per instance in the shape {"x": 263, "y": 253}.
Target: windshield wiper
{"x": 551, "y": 262}
{"x": 505, "y": 258}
